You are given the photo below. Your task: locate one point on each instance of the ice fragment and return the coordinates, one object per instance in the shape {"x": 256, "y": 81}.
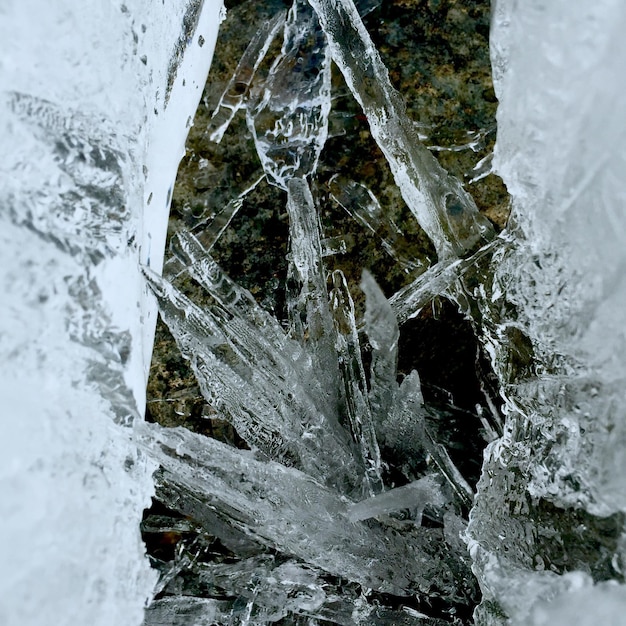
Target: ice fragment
{"x": 440, "y": 204}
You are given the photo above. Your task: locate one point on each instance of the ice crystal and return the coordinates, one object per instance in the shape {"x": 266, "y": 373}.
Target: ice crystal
{"x": 349, "y": 504}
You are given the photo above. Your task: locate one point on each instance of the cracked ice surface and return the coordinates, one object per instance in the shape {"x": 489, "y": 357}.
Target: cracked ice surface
{"x": 561, "y": 128}
{"x": 84, "y": 196}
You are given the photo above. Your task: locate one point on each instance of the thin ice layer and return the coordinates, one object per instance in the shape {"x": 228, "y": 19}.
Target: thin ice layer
{"x": 236, "y": 92}
{"x": 361, "y": 204}
{"x": 440, "y": 204}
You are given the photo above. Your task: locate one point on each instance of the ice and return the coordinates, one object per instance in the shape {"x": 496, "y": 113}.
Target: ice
{"x": 254, "y": 388}
{"x": 556, "y": 320}
{"x": 83, "y": 197}
{"x": 313, "y": 503}
{"x": 352, "y": 372}
{"x": 363, "y": 206}
{"x": 414, "y": 496}
{"x": 188, "y": 611}
{"x": 441, "y": 278}
{"x": 383, "y": 333}
{"x": 289, "y": 121}
{"x": 287, "y": 510}
{"x": 442, "y": 207}
{"x": 309, "y": 314}
{"x": 236, "y": 91}
{"x": 604, "y": 603}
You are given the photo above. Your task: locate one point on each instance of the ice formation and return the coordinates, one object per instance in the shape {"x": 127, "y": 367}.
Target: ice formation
{"x": 314, "y": 525}
{"x": 90, "y": 95}
{"x": 557, "y": 297}
{"x": 546, "y": 298}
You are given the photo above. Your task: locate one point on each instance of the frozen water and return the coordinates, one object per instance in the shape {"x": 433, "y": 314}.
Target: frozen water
{"x": 84, "y": 196}
{"x": 415, "y": 496}
{"x": 440, "y": 204}
{"x": 546, "y": 297}
{"x": 289, "y": 119}
{"x": 288, "y": 510}
{"x": 352, "y": 374}
{"x": 236, "y": 91}
{"x": 558, "y": 300}
{"x": 363, "y": 206}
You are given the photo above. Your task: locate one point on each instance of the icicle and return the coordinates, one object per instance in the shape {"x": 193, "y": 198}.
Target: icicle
{"x": 361, "y": 204}
{"x": 383, "y": 333}
{"x": 355, "y": 386}
{"x": 440, "y": 204}
{"x": 236, "y": 91}
{"x": 290, "y": 123}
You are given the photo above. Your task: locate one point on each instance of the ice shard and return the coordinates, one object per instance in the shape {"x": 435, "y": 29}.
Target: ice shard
{"x": 289, "y": 120}
{"x": 237, "y": 90}
{"x": 440, "y": 204}
{"x": 383, "y": 333}
{"x": 352, "y": 372}
{"x": 287, "y": 510}
{"x": 309, "y": 314}
{"x": 254, "y": 388}
{"x": 415, "y": 496}
{"x": 83, "y": 196}
{"x": 363, "y": 206}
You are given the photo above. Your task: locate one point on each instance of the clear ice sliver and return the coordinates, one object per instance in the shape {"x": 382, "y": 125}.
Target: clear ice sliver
{"x": 237, "y": 90}
{"x": 445, "y": 211}
{"x": 352, "y": 373}
{"x": 289, "y": 119}
{"x": 287, "y": 510}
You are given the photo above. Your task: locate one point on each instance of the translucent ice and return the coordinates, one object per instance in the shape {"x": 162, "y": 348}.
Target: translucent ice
{"x": 440, "y": 204}
{"x": 83, "y": 196}
{"x": 287, "y": 510}
{"x": 363, "y": 206}
{"x": 555, "y": 326}
{"x": 289, "y": 121}
{"x": 237, "y": 89}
